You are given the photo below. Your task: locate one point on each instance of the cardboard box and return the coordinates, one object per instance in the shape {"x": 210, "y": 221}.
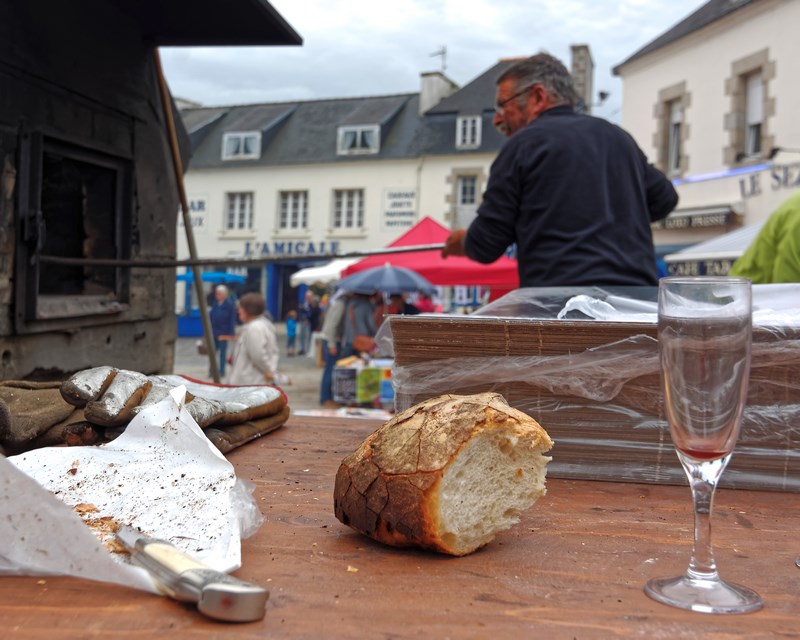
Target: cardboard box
{"x": 595, "y": 385}
{"x": 364, "y": 383}
{"x": 344, "y": 385}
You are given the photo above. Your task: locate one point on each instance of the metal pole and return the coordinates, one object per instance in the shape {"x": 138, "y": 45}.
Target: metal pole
{"x": 187, "y": 222}
{"x": 170, "y": 263}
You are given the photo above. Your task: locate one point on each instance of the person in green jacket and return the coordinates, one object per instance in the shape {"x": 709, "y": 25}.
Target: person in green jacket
{"x": 774, "y": 255}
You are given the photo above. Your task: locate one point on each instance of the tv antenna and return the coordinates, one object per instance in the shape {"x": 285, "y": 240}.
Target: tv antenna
{"x": 443, "y": 53}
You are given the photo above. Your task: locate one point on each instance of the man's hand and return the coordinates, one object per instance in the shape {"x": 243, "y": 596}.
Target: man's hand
{"x": 454, "y": 245}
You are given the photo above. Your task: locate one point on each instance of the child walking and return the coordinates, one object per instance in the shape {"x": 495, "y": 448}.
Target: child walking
{"x": 291, "y": 332}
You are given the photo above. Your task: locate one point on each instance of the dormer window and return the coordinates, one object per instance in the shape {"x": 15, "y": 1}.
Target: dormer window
{"x": 468, "y": 132}
{"x": 358, "y": 140}
{"x": 241, "y": 145}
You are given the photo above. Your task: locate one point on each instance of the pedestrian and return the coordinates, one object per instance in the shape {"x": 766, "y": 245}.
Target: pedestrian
{"x": 574, "y": 192}
{"x": 255, "y": 358}
{"x": 425, "y": 304}
{"x": 359, "y": 322}
{"x": 774, "y": 254}
{"x": 304, "y": 317}
{"x": 314, "y": 321}
{"x": 398, "y": 305}
{"x": 291, "y": 332}
{"x": 223, "y": 323}
{"x": 332, "y": 335}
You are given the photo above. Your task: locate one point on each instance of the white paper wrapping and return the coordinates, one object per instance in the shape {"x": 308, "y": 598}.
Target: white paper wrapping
{"x": 162, "y": 475}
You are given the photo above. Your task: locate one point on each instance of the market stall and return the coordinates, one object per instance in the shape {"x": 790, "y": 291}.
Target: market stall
{"x": 500, "y": 277}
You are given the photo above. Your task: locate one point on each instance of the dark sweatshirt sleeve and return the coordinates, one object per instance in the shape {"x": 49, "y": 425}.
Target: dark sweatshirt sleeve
{"x": 493, "y": 230}
{"x": 661, "y": 195}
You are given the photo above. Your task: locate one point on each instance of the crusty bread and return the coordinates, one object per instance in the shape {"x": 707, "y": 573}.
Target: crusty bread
{"x": 447, "y": 474}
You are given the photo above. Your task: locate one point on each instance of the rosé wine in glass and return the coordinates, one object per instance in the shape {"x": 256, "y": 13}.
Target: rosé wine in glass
{"x": 704, "y": 336}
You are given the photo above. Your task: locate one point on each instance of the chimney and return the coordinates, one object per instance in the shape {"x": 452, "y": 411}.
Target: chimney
{"x": 582, "y": 76}
{"x": 435, "y": 87}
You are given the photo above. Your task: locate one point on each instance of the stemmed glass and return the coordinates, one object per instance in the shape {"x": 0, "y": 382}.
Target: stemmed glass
{"x": 704, "y": 336}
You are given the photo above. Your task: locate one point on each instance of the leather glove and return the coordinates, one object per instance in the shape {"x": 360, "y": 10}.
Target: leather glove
{"x": 112, "y": 397}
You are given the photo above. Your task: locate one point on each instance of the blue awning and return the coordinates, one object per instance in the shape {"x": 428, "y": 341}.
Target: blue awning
{"x": 217, "y": 277}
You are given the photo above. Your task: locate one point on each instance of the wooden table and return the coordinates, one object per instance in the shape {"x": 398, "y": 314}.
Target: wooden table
{"x": 572, "y": 568}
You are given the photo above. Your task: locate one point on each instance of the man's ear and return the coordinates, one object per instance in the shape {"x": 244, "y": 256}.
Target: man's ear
{"x": 539, "y": 99}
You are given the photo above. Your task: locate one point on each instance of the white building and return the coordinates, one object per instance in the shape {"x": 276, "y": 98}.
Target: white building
{"x": 714, "y": 102}
{"x": 313, "y": 178}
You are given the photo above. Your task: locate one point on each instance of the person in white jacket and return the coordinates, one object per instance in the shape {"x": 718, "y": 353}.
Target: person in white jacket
{"x": 255, "y": 358}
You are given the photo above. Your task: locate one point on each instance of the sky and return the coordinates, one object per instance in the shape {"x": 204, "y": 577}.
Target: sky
{"x": 357, "y": 48}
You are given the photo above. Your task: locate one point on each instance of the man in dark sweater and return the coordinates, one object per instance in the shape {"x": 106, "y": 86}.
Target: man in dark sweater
{"x": 574, "y": 192}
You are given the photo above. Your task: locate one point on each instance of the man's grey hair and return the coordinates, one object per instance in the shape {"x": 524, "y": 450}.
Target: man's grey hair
{"x": 222, "y": 288}
{"x": 547, "y": 71}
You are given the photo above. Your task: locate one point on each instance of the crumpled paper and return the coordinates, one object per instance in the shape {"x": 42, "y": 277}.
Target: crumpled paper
{"x": 161, "y": 475}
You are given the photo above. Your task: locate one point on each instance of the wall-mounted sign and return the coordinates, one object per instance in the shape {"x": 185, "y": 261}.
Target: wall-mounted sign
{"x": 399, "y": 209}
{"x": 198, "y": 214}
{"x": 300, "y": 248}
{"x": 719, "y": 267}
{"x": 702, "y": 217}
{"x": 780, "y": 176}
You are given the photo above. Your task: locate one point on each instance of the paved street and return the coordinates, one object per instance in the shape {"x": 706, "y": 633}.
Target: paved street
{"x": 303, "y": 392}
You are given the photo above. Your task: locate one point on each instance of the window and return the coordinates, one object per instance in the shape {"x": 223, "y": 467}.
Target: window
{"x": 77, "y": 205}
{"x": 294, "y": 210}
{"x": 754, "y": 114}
{"x": 466, "y": 199}
{"x": 348, "y": 209}
{"x": 241, "y": 146}
{"x": 670, "y": 134}
{"x": 752, "y": 106}
{"x": 468, "y": 132}
{"x": 466, "y": 189}
{"x": 239, "y": 211}
{"x": 358, "y": 140}
{"x": 674, "y": 137}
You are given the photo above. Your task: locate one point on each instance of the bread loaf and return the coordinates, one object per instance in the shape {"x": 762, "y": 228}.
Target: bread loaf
{"x": 446, "y": 475}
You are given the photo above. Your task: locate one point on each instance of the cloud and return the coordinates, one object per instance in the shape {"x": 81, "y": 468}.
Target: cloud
{"x": 363, "y": 47}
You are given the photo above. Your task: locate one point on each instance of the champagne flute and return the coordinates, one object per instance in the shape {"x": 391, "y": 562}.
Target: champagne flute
{"x": 704, "y": 336}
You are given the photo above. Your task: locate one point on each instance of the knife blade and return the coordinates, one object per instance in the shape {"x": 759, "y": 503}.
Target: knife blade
{"x": 186, "y": 579}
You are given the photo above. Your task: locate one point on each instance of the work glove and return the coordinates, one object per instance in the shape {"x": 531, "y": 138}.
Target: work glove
{"x": 112, "y": 397}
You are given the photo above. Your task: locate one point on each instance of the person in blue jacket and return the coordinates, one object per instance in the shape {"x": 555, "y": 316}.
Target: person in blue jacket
{"x": 223, "y": 323}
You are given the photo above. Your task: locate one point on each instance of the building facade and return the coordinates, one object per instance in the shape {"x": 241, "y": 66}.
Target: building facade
{"x": 713, "y": 102}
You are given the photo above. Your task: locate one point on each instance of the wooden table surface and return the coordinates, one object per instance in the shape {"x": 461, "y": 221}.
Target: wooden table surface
{"x": 573, "y": 567}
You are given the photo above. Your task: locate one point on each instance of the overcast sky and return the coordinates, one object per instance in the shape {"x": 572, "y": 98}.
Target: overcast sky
{"x": 378, "y": 47}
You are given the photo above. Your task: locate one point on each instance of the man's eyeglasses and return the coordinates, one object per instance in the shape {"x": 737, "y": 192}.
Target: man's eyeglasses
{"x": 499, "y": 106}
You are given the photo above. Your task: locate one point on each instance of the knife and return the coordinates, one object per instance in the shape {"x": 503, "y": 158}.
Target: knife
{"x": 186, "y": 579}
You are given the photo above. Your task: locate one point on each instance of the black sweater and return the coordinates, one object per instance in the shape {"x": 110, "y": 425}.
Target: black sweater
{"x": 577, "y": 195}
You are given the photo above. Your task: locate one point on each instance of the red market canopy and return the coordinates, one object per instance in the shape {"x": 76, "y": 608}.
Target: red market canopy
{"x": 453, "y": 271}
